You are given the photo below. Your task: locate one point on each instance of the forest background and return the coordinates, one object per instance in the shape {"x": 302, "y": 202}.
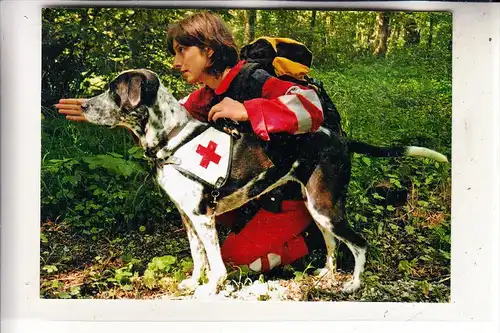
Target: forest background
{"x": 107, "y": 229}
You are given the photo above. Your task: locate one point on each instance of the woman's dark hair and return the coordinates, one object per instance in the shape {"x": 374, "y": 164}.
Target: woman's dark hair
{"x": 206, "y": 30}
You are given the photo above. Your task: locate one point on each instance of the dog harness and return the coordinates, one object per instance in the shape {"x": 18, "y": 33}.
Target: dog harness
{"x": 206, "y": 157}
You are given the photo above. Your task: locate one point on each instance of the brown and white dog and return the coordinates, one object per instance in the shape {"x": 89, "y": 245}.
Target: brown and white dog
{"x": 319, "y": 161}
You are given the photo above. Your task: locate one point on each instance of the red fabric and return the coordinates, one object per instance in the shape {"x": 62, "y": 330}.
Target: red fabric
{"x": 266, "y": 114}
{"x": 267, "y": 232}
{"x": 316, "y": 114}
{"x": 263, "y": 123}
{"x": 197, "y": 103}
{"x": 265, "y": 267}
{"x": 208, "y": 154}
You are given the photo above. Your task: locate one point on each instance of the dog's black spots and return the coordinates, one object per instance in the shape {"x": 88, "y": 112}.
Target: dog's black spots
{"x": 319, "y": 149}
{"x": 151, "y": 152}
{"x": 314, "y": 238}
{"x": 343, "y": 230}
{"x": 149, "y": 90}
{"x": 139, "y": 131}
{"x": 284, "y": 149}
{"x": 157, "y": 123}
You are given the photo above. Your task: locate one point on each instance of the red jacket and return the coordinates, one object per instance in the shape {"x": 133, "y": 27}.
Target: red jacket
{"x": 283, "y": 107}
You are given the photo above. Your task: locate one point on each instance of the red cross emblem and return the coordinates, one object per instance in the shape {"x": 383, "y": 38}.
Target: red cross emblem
{"x": 209, "y": 154}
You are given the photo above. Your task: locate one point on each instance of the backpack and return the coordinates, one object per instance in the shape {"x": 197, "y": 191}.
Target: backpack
{"x": 290, "y": 60}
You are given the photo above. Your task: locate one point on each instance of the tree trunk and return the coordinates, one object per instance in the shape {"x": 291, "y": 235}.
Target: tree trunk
{"x": 382, "y": 36}
{"x": 311, "y": 30}
{"x": 251, "y": 19}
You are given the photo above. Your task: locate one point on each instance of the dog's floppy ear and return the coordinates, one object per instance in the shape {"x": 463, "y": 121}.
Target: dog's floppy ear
{"x": 136, "y": 88}
{"x": 128, "y": 88}
{"x": 134, "y": 91}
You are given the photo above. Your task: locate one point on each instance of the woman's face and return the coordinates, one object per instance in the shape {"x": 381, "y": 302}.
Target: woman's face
{"x": 191, "y": 61}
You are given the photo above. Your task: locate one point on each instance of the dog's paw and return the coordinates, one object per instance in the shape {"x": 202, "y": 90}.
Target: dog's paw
{"x": 205, "y": 291}
{"x": 351, "y": 286}
{"x": 188, "y": 284}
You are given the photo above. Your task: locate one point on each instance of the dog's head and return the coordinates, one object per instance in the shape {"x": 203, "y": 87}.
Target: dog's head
{"x": 125, "y": 101}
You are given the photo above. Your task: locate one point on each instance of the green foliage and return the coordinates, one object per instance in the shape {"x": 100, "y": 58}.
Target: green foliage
{"x": 95, "y": 191}
{"x": 82, "y": 49}
{"x": 159, "y": 267}
{"x": 241, "y": 276}
{"x": 102, "y": 212}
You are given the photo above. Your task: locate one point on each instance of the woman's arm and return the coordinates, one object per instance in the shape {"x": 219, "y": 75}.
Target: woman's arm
{"x": 284, "y": 107}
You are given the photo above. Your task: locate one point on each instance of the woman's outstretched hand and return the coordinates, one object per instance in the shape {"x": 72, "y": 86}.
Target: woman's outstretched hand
{"x": 72, "y": 108}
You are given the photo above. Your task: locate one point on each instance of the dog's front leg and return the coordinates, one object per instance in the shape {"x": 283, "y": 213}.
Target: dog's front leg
{"x": 205, "y": 229}
{"x": 198, "y": 254}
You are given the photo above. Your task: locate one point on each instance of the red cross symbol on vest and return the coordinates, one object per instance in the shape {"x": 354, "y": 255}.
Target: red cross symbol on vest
{"x": 209, "y": 154}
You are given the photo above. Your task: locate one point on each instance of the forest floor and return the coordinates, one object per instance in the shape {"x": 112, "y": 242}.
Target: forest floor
{"x": 110, "y": 270}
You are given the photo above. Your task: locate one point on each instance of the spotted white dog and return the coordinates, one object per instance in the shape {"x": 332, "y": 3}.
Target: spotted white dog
{"x": 319, "y": 161}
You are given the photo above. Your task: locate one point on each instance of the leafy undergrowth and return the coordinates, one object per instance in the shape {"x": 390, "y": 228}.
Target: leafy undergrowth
{"x": 402, "y": 267}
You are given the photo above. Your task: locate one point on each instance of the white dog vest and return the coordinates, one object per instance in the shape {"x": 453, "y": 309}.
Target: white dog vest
{"x": 207, "y": 157}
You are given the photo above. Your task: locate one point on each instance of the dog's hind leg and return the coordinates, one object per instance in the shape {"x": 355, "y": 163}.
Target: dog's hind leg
{"x": 357, "y": 245}
{"x": 198, "y": 254}
{"x": 204, "y": 227}
{"x": 321, "y": 202}
{"x": 324, "y": 224}
{"x": 336, "y": 226}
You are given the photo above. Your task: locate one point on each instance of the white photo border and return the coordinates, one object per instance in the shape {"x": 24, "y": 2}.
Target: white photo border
{"x": 475, "y": 194}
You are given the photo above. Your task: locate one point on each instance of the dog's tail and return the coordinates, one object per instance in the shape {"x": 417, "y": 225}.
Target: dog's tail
{"x": 375, "y": 151}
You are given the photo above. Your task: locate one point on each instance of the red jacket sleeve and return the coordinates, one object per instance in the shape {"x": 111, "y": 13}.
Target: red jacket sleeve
{"x": 284, "y": 107}
{"x": 197, "y": 103}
